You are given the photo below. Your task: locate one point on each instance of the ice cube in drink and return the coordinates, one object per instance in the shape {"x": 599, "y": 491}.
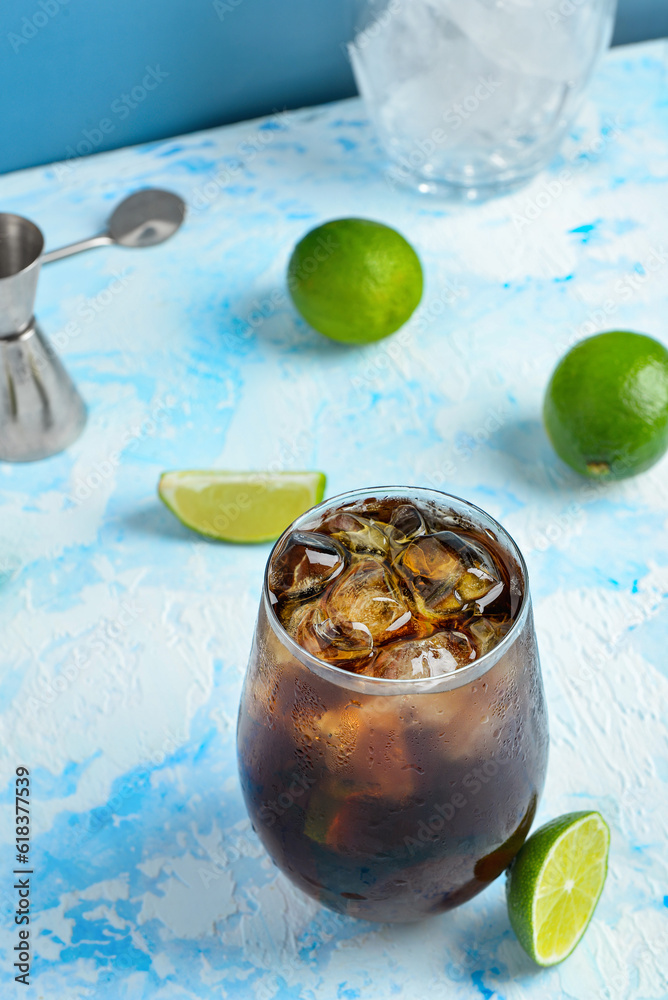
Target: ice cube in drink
{"x": 383, "y": 577}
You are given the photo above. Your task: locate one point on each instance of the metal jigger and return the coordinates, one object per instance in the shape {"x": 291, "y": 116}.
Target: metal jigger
{"x": 41, "y": 411}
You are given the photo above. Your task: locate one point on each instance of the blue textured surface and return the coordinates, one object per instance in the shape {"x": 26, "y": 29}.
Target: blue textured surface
{"x": 66, "y": 66}
{"x": 124, "y": 638}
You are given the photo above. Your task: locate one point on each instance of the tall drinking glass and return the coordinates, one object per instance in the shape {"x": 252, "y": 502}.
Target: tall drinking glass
{"x": 401, "y": 777}
{"x": 474, "y": 96}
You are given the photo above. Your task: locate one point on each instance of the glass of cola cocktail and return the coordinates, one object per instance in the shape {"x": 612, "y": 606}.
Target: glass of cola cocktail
{"x": 392, "y": 732}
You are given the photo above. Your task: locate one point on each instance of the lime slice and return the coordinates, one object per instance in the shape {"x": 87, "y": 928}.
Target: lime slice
{"x": 555, "y": 882}
{"x": 240, "y": 506}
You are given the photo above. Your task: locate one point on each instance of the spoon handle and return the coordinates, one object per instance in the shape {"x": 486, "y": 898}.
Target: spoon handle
{"x": 104, "y": 239}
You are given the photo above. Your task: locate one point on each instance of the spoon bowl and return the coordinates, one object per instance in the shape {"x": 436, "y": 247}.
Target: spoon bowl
{"x": 146, "y": 218}
{"x": 143, "y": 219}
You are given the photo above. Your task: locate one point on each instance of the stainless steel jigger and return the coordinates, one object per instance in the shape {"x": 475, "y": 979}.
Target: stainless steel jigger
{"x": 41, "y": 411}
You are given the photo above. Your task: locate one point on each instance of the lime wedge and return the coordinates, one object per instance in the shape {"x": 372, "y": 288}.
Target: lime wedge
{"x": 555, "y": 882}
{"x": 240, "y": 506}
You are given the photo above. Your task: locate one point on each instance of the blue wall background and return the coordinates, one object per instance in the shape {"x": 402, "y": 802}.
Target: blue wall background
{"x": 81, "y": 76}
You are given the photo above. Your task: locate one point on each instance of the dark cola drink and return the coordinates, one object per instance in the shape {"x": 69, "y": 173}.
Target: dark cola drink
{"x": 392, "y": 732}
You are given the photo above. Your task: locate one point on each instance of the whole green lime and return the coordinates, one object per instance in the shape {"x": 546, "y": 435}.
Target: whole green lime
{"x": 606, "y": 406}
{"x": 355, "y": 280}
